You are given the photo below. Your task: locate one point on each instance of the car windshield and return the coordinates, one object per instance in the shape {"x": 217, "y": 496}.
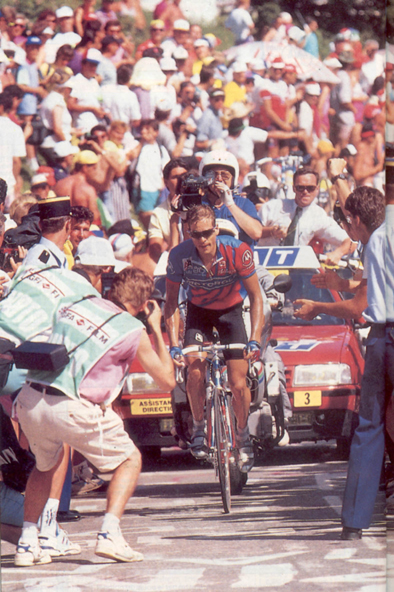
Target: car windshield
{"x": 302, "y": 288}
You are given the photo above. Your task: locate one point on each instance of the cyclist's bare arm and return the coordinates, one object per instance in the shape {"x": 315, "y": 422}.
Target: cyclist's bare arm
{"x": 257, "y": 318}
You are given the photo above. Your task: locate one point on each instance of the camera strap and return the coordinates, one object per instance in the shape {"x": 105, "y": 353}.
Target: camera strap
{"x": 96, "y": 330}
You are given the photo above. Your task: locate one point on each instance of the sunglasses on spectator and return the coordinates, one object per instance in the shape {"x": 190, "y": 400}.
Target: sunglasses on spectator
{"x": 203, "y": 234}
{"x": 307, "y": 188}
{"x": 156, "y": 29}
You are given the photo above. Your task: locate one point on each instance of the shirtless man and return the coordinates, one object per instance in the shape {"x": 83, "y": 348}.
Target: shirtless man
{"x": 369, "y": 160}
{"x": 77, "y": 185}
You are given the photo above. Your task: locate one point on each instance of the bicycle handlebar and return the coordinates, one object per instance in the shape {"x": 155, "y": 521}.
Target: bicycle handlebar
{"x": 212, "y": 347}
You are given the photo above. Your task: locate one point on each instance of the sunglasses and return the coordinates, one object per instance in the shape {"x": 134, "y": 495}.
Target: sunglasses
{"x": 203, "y": 234}
{"x": 154, "y": 29}
{"x": 302, "y": 188}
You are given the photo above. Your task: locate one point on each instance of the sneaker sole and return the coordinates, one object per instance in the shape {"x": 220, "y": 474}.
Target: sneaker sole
{"x": 56, "y": 553}
{"x": 106, "y": 551}
{"x": 24, "y": 561}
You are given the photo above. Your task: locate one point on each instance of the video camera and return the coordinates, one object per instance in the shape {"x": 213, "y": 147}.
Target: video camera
{"x": 191, "y": 189}
{"x": 5, "y": 258}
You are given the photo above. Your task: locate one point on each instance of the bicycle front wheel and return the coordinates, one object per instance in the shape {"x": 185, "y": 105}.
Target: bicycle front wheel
{"x": 222, "y": 451}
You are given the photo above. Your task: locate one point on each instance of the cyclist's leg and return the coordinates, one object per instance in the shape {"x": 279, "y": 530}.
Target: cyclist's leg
{"x": 237, "y": 370}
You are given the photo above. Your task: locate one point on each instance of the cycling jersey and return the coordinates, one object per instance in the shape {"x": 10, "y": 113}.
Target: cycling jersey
{"x": 220, "y": 287}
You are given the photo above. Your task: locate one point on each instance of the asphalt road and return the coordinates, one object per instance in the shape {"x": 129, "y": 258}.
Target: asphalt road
{"x": 282, "y": 534}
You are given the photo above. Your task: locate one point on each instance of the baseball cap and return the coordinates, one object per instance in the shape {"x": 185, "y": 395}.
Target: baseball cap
{"x": 257, "y": 64}
{"x": 48, "y": 31}
{"x": 239, "y": 67}
{"x": 325, "y": 147}
{"x": 157, "y": 24}
{"x": 54, "y": 207}
{"x": 201, "y": 43}
{"x": 349, "y": 150}
{"x": 180, "y": 53}
{"x": 181, "y": 25}
{"x": 64, "y": 148}
{"x": 164, "y": 104}
{"x": 332, "y": 62}
{"x": 39, "y": 179}
{"x": 216, "y": 92}
{"x": 95, "y": 251}
{"x": 122, "y": 245}
{"x": 168, "y": 65}
{"x": 94, "y": 56}
{"x": 296, "y": 34}
{"x": 278, "y": 63}
{"x": 64, "y": 12}
{"x": 33, "y": 40}
{"x": 86, "y": 157}
{"x": 313, "y": 89}
{"x": 290, "y": 68}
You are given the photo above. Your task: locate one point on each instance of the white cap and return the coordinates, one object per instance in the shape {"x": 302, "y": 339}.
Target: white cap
{"x": 64, "y": 11}
{"x": 332, "y": 63}
{"x": 296, "y": 34}
{"x": 94, "y": 55}
{"x": 180, "y": 53}
{"x": 286, "y": 17}
{"x": 181, "y": 25}
{"x": 313, "y": 89}
{"x": 48, "y": 31}
{"x": 95, "y": 251}
{"x": 201, "y": 43}
{"x": 65, "y": 148}
{"x": 168, "y": 65}
{"x": 351, "y": 149}
{"x": 239, "y": 67}
{"x": 38, "y": 179}
{"x": 164, "y": 104}
{"x": 122, "y": 245}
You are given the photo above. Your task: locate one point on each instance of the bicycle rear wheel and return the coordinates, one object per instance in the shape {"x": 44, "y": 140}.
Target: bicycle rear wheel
{"x": 222, "y": 451}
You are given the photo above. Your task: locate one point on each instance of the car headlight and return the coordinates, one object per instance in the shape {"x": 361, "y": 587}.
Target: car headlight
{"x": 141, "y": 383}
{"x": 322, "y": 374}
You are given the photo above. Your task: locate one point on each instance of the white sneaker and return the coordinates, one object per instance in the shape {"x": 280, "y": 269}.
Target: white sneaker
{"x": 115, "y": 547}
{"x": 27, "y": 555}
{"x": 59, "y": 545}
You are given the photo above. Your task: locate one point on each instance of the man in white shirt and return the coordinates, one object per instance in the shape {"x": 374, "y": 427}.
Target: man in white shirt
{"x": 298, "y": 221}
{"x": 306, "y": 115}
{"x": 120, "y": 101}
{"x": 84, "y": 102}
{"x": 12, "y": 147}
{"x": 66, "y": 35}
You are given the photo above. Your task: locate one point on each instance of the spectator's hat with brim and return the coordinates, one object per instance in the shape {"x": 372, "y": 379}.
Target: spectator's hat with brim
{"x": 153, "y": 52}
{"x": 147, "y": 74}
{"x": 216, "y": 92}
{"x": 278, "y": 63}
{"x": 201, "y": 43}
{"x": 95, "y": 251}
{"x": 39, "y": 180}
{"x": 108, "y": 39}
{"x": 313, "y": 89}
{"x": 235, "y": 125}
{"x": 86, "y": 157}
{"x": 212, "y": 40}
{"x": 325, "y": 147}
{"x": 290, "y": 68}
{"x": 94, "y": 56}
{"x": 181, "y": 25}
{"x": 239, "y": 67}
{"x": 168, "y": 65}
{"x": 122, "y": 245}
{"x": 64, "y": 12}
{"x": 237, "y": 110}
{"x": 257, "y": 64}
{"x": 180, "y": 53}
{"x": 33, "y": 40}
{"x": 157, "y": 24}
{"x": 54, "y": 207}
{"x": 332, "y": 62}
{"x": 164, "y": 104}
{"x": 65, "y": 148}
{"x": 296, "y": 34}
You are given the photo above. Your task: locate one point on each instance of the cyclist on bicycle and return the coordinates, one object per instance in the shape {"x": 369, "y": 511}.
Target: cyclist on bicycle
{"x": 218, "y": 272}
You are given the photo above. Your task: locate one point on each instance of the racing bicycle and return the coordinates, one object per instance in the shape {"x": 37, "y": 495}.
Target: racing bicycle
{"x": 222, "y": 451}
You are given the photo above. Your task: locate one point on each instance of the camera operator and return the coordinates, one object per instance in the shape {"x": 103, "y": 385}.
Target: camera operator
{"x": 222, "y": 197}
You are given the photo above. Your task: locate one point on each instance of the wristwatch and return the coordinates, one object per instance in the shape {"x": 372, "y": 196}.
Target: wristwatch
{"x": 336, "y": 177}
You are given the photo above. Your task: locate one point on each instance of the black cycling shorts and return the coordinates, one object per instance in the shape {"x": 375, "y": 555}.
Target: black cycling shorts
{"x": 229, "y": 324}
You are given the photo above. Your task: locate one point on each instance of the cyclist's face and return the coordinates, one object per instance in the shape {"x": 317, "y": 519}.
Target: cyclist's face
{"x": 204, "y": 233}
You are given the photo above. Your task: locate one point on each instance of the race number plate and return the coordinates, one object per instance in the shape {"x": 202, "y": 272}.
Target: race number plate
{"x": 150, "y": 406}
{"x": 307, "y": 398}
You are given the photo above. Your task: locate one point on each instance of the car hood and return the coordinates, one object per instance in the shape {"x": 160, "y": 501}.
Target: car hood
{"x": 311, "y": 344}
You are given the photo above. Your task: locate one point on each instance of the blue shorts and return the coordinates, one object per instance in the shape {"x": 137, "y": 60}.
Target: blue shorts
{"x": 148, "y": 201}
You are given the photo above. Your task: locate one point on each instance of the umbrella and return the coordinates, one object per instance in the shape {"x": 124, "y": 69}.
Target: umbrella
{"x": 308, "y": 67}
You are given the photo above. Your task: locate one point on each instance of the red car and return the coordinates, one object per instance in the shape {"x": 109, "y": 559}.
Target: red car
{"x": 323, "y": 358}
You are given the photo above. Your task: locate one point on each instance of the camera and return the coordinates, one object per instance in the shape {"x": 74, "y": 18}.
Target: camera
{"x": 191, "y": 189}
{"x": 5, "y": 258}
{"x": 107, "y": 279}
{"x": 338, "y": 214}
